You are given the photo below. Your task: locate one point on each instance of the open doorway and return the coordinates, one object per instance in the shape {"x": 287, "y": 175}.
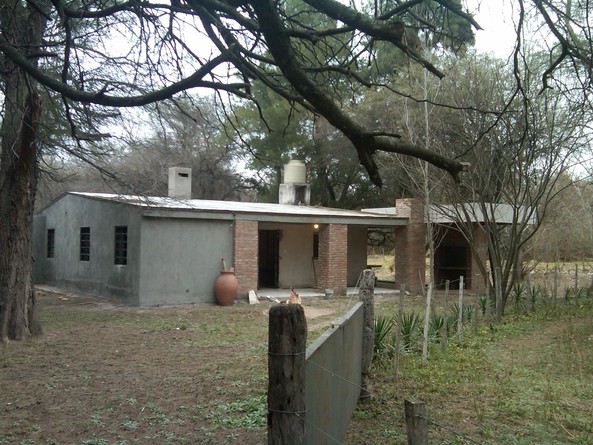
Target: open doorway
{"x": 269, "y": 258}
{"x": 451, "y": 262}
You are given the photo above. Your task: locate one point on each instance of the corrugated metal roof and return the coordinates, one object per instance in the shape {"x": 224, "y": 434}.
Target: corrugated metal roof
{"x": 204, "y": 205}
{"x": 450, "y": 213}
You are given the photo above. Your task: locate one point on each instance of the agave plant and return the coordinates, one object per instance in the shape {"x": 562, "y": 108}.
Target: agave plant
{"x": 383, "y": 333}
{"x": 519, "y": 295}
{"x": 568, "y": 294}
{"x": 435, "y": 326}
{"x": 537, "y": 294}
{"x": 410, "y": 328}
{"x": 469, "y": 312}
{"x": 485, "y": 304}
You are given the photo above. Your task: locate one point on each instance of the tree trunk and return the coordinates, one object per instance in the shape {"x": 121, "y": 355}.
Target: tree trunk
{"x": 18, "y": 175}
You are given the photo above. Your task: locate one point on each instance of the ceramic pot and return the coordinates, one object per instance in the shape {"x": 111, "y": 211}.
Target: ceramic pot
{"x": 226, "y": 288}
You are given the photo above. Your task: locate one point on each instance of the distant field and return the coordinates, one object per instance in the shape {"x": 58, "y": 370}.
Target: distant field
{"x": 385, "y": 271}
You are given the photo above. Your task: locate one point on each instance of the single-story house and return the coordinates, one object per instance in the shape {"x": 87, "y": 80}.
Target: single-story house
{"x": 168, "y": 250}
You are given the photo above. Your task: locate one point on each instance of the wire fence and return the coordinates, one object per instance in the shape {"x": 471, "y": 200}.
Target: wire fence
{"x": 439, "y": 425}
{"x": 335, "y": 373}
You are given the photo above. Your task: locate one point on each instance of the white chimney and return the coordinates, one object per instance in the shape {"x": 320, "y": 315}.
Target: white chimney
{"x": 294, "y": 189}
{"x": 180, "y": 182}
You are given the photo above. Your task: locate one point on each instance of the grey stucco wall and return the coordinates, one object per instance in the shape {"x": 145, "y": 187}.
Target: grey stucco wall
{"x": 333, "y": 378}
{"x": 99, "y": 276}
{"x": 181, "y": 259}
{"x": 40, "y": 268}
{"x": 357, "y": 253}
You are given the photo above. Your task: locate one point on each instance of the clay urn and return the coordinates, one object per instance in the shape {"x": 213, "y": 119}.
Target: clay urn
{"x": 226, "y": 288}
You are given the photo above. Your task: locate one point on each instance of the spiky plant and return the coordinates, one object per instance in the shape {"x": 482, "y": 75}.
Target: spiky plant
{"x": 383, "y": 334}
{"x": 519, "y": 295}
{"x": 435, "y": 325}
{"x": 410, "y": 329}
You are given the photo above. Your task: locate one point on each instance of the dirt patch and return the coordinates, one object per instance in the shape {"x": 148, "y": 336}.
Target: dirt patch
{"x": 106, "y": 374}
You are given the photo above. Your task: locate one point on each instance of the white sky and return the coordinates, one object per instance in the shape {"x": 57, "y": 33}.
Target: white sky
{"x": 498, "y": 33}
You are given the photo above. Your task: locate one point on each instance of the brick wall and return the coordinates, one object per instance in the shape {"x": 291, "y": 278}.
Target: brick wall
{"x": 410, "y": 245}
{"x": 333, "y": 258}
{"x": 246, "y": 255}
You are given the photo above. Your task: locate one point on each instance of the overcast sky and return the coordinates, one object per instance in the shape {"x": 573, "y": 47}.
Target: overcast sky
{"x": 496, "y": 19}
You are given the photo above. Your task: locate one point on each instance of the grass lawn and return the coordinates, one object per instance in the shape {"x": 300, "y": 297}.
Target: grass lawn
{"x": 528, "y": 380}
{"x": 103, "y": 375}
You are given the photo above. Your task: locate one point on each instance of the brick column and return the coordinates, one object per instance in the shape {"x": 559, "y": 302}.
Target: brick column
{"x": 245, "y": 253}
{"x": 333, "y": 258}
{"x": 410, "y": 244}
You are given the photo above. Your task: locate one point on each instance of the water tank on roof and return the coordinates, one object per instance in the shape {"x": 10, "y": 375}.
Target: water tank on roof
{"x": 295, "y": 172}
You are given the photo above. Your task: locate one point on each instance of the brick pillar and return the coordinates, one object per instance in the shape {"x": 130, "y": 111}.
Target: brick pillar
{"x": 245, "y": 253}
{"x": 478, "y": 282}
{"x": 333, "y": 258}
{"x": 410, "y": 244}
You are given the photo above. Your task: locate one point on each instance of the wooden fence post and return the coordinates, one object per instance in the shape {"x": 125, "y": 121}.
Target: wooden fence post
{"x": 576, "y": 279}
{"x": 398, "y": 332}
{"x": 287, "y": 339}
{"x": 555, "y": 290}
{"x": 426, "y": 325}
{"x": 445, "y": 327}
{"x": 416, "y": 423}
{"x": 476, "y": 319}
{"x": 366, "y": 294}
{"x": 460, "y": 314}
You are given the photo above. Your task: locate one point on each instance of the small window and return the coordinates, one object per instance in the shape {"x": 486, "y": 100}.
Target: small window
{"x": 85, "y": 244}
{"x": 121, "y": 245}
{"x": 51, "y": 236}
{"x": 315, "y": 245}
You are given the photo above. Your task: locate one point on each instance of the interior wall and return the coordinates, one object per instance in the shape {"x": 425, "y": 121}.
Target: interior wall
{"x": 296, "y": 263}
{"x": 357, "y": 253}
{"x": 453, "y": 259}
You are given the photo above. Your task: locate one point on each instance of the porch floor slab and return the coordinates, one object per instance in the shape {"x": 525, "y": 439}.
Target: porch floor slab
{"x": 310, "y": 292}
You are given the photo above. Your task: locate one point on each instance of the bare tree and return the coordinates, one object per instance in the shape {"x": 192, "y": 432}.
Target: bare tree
{"x": 518, "y": 163}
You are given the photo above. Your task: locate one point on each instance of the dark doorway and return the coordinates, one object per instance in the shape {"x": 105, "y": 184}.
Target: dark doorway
{"x": 451, "y": 262}
{"x": 269, "y": 256}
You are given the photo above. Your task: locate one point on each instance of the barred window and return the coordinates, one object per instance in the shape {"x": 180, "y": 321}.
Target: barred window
{"x": 51, "y": 237}
{"x": 121, "y": 245}
{"x": 85, "y": 244}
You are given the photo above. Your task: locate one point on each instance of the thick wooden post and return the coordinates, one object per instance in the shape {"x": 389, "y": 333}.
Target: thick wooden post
{"x": 416, "y": 423}
{"x": 287, "y": 339}
{"x": 366, "y": 294}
